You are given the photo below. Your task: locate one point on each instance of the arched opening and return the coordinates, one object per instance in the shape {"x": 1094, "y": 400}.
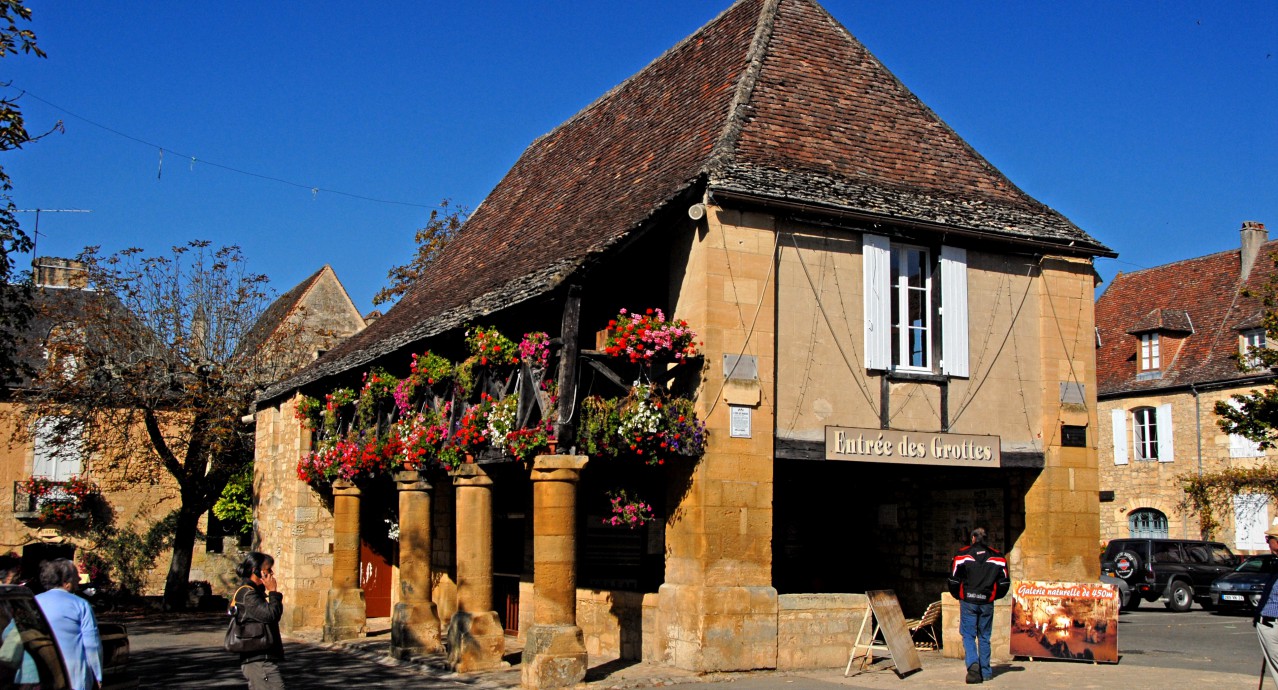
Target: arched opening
{"x": 1147, "y": 523}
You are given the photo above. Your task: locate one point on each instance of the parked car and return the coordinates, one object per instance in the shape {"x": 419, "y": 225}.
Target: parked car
{"x": 1179, "y": 571}
{"x": 1242, "y": 587}
{"x": 32, "y": 631}
{"x": 1124, "y": 589}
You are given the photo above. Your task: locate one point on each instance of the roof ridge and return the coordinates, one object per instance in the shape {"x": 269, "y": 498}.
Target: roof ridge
{"x": 1178, "y": 262}
{"x": 724, "y": 148}
{"x": 605, "y": 96}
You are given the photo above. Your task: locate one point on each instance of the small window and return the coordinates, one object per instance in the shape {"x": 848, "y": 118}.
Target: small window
{"x": 1149, "y": 357}
{"x": 1145, "y": 433}
{"x": 1250, "y": 342}
{"x": 911, "y": 308}
{"x": 1147, "y": 523}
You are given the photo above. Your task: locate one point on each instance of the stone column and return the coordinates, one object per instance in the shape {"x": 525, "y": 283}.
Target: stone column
{"x": 554, "y": 651}
{"x": 344, "y": 616}
{"x": 476, "y": 640}
{"x": 415, "y": 622}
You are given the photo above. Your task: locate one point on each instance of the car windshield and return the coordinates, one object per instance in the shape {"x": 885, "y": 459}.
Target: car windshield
{"x": 1258, "y": 564}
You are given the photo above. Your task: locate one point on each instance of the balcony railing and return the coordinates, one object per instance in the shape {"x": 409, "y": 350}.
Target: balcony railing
{"x": 43, "y": 506}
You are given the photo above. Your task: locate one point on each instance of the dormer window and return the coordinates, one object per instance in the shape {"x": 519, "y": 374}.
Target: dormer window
{"x": 1149, "y": 358}
{"x": 1250, "y": 342}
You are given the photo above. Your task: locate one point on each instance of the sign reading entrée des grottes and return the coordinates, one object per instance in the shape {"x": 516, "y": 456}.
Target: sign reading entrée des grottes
{"x": 911, "y": 447}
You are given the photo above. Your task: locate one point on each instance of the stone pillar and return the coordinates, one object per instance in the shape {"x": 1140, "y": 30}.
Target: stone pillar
{"x": 554, "y": 651}
{"x": 415, "y": 622}
{"x": 476, "y": 641}
{"x": 344, "y": 616}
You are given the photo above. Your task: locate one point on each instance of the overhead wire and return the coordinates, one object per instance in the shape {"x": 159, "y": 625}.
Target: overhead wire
{"x": 313, "y": 189}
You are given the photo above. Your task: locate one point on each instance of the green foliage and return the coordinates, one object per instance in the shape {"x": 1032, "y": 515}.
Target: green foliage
{"x": 1257, "y": 415}
{"x": 1214, "y": 492}
{"x": 128, "y": 554}
{"x": 15, "y": 297}
{"x": 443, "y": 225}
{"x": 235, "y": 506}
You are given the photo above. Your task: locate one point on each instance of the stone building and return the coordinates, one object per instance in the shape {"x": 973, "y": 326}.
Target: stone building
{"x": 897, "y": 348}
{"x": 1169, "y": 342}
{"x": 317, "y": 311}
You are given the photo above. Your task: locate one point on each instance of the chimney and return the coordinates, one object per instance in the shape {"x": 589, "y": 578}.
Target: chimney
{"x": 52, "y": 272}
{"x": 1254, "y": 236}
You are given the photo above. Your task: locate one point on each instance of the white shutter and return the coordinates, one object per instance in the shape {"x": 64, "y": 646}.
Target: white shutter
{"x": 1120, "y": 436}
{"x": 1165, "y": 453}
{"x": 876, "y": 267}
{"x": 1251, "y": 519}
{"x": 953, "y": 311}
{"x": 57, "y": 458}
{"x": 1240, "y": 446}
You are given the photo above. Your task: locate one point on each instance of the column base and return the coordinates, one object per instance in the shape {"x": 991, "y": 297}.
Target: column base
{"x": 709, "y": 629}
{"x": 414, "y": 629}
{"x": 344, "y": 616}
{"x": 476, "y": 642}
{"x": 554, "y": 657}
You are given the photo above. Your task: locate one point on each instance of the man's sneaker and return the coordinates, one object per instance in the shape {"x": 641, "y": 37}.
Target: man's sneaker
{"x": 974, "y": 674}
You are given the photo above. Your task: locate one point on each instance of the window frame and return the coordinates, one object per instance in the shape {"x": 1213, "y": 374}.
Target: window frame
{"x": 1246, "y": 346}
{"x": 1143, "y": 447}
{"x": 900, "y": 261}
{"x": 1152, "y": 517}
{"x": 1150, "y": 357}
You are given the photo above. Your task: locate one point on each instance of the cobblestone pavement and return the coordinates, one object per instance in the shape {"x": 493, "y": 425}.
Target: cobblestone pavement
{"x": 187, "y": 653}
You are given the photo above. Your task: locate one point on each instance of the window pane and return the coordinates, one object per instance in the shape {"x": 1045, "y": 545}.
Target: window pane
{"x": 917, "y": 260}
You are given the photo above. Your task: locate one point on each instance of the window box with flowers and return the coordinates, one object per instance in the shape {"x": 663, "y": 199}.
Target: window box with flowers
{"x": 57, "y": 502}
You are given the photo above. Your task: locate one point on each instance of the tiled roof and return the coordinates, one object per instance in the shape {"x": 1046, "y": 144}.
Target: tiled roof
{"x": 772, "y": 99}
{"x": 274, "y": 316}
{"x": 1208, "y": 290}
{"x": 1165, "y": 321}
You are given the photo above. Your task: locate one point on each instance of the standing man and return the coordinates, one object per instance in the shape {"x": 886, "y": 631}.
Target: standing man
{"x": 978, "y": 576}
{"x": 1267, "y": 612}
{"x": 74, "y": 627}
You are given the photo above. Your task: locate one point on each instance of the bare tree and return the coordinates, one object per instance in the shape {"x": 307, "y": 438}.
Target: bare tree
{"x": 148, "y": 367}
{"x": 444, "y": 223}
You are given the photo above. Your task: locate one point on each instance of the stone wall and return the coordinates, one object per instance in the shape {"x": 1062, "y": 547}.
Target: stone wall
{"x": 1199, "y": 446}
{"x": 1000, "y": 637}
{"x": 817, "y": 630}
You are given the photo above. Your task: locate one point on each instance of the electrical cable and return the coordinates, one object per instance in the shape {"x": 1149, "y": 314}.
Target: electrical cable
{"x": 193, "y": 159}
{"x": 763, "y": 292}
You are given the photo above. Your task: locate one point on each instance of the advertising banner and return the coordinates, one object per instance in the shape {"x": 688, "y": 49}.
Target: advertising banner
{"x": 1065, "y": 620}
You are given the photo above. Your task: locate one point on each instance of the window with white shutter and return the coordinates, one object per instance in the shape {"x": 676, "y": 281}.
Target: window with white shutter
{"x": 900, "y": 298}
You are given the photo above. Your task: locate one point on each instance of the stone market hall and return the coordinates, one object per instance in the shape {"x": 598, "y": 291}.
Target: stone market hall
{"x": 894, "y": 344}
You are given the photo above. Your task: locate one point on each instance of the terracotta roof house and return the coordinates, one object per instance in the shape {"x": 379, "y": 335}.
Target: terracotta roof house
{"x": 1169, "y": 343}
{"x": 895, "y": 347}
{"x": 317, "y": 311}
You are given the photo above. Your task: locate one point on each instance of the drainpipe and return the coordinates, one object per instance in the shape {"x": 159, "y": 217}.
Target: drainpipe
{"x": 1198, "y": 433}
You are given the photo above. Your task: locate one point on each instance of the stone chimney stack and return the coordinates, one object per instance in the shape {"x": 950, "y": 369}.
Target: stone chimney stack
{"x": 52, "y": 272}
{"x": 1254, "y": 236}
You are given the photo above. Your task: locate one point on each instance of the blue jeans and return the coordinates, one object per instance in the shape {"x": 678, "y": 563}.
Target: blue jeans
{"x": 976, "y": 621}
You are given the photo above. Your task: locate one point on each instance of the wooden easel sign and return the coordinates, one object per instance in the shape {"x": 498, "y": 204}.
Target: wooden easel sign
{"x": 890, "y": 623}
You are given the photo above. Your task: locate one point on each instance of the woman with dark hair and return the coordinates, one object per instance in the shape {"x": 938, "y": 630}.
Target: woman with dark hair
{"x": 74, "y": 627}
{"x": 258, "y": 599}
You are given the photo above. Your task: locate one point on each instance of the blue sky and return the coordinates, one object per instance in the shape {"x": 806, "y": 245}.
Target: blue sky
{"x": 1153, "y": 126}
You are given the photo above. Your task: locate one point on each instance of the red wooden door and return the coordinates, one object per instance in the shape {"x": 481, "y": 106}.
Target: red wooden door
{"x": 375, "y": 580}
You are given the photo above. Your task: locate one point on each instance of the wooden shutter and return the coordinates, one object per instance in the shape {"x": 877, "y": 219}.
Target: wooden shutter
{"x": 876, "y": 267}
{"x": 1240, "y": 446}
{"x": 56, "y": 457}
{"x": 1165, "y": 453}
{"x": 1120, "y": 436}
{"x": 954, "y": 337}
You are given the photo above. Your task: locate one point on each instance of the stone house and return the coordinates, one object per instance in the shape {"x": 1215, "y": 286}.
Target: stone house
{"x": 1169, "y": 343}
{"x": 317, "y": 313}
{"x": 897, "y": 347}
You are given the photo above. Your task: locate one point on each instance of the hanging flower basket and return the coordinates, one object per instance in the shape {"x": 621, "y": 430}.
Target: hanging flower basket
{"x": 627, "y": 511}
{"x": 649, "y": 337}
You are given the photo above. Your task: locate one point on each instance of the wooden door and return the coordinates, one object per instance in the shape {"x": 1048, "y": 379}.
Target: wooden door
{"x": 375, "y": 580}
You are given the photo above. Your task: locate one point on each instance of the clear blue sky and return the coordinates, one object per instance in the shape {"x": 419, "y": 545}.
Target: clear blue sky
{"x": 1153, "y": 126}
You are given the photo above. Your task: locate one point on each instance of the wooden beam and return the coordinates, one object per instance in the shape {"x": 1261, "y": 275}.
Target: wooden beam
{"x": 565, "y": 429}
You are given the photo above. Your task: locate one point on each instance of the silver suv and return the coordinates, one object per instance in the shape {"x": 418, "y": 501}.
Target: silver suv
{"x": 1176, "y": 570}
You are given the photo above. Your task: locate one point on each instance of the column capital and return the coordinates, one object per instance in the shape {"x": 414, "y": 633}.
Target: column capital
{"x": 470, "y": 474}
{"x": 412, "y": 480}
{"x": 558, "y": 468}
{"x": 345, "y": 487}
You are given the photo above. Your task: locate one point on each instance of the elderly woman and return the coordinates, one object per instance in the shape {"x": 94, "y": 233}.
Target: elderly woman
{"x": 74, "y": 627}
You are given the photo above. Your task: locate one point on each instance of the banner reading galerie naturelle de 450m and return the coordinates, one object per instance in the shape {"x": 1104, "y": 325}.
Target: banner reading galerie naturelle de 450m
{"x": 1065, "y": 620}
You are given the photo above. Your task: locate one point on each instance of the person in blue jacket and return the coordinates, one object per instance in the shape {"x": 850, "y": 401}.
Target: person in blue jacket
{"x": 74, "y": 627}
